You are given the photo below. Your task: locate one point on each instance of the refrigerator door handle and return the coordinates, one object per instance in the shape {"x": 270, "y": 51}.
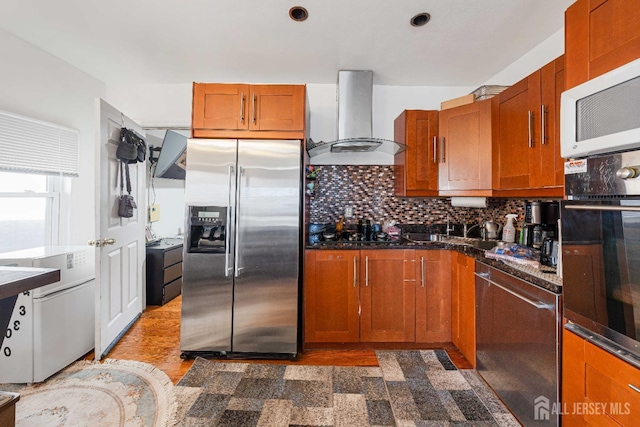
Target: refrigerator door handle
{"x": 236, "y": 260}
{"x": 227, "y": 250}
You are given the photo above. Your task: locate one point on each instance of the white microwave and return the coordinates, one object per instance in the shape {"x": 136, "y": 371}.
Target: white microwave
{"x": 603, "y": 114}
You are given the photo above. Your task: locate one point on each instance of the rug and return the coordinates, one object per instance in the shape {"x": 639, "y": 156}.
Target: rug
{"x": 409, "y": 388}
{"x": 87, "y": 393}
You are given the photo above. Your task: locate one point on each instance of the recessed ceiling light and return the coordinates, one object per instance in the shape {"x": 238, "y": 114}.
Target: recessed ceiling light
{"x": 298, "y": 13}
{"x": 420, "y": 19}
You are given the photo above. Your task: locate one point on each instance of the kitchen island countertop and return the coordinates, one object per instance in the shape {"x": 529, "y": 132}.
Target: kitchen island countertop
{"x": 14, "y": 280}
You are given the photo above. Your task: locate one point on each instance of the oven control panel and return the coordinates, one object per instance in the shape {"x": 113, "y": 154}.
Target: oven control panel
{"x": 616, "y": 175}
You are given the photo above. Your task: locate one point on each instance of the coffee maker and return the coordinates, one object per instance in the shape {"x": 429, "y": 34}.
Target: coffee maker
{"x": 540, "y": 222}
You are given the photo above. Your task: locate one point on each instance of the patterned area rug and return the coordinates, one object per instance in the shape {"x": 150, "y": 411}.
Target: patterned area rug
{"x": 113, "y": 393}
{"x": 410, "y": 388}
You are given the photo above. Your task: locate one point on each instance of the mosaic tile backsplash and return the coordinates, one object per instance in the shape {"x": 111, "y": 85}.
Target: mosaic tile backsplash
{"x": 368, "y": 189}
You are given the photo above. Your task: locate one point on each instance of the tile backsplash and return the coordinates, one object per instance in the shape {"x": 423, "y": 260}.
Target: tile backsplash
{"x": 369, "y": 190}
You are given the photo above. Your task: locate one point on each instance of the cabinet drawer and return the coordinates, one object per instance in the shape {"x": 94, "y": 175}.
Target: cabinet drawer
{"x": 172, "y": 256}
{"x": 171, "y": 290}
{"x": 172, "y": 273}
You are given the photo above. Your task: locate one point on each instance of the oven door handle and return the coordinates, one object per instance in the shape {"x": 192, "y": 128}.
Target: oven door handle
{"x": 603, "y": 208}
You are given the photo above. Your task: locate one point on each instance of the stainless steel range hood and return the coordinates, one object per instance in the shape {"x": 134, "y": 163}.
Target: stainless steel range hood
{"x": 355, "y": 118}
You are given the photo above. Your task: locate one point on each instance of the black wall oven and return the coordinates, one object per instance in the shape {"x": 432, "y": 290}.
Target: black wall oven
{"x": 600, "y": 228}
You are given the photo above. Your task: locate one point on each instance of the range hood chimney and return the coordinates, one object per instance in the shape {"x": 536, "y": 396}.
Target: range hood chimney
{"x": 355, "y": 118}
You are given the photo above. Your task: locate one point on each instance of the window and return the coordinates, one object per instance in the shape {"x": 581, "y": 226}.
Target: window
{"x": 29, "y": 210}
{"x": 35, "y": 156}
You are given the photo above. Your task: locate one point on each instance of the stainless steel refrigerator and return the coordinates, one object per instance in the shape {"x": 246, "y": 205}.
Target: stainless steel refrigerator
{"x": 242, "y": 245}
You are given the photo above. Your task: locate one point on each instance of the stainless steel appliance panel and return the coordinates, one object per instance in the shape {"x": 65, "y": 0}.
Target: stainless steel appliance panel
{"x": 517, "y": 342}
{"x": 608, "y": 175}
{"x": 601, "y": 268}
{"x": 207, "y": 289}
{"x": 600, "y": 249}
{"x": 267, "y": 247}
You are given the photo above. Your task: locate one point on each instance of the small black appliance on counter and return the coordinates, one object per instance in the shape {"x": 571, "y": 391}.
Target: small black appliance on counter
{"x": 549, "y": 252}
{"x": 541, "y": 221}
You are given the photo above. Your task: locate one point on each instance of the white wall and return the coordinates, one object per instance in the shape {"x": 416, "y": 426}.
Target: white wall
{"x": 154, "y": 105}
{"x": 542, "y": 54}
{"x": 170, "y": 106}
{"x": 36, "y": 84}
{"x": 39, "y": 85}
{"x": 388, "y": 103}
{"x": 168, "y": 194}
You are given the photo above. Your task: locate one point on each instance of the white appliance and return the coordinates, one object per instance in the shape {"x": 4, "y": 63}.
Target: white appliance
{"x": 601, "y": 115}
{"x": 54, "y": 325}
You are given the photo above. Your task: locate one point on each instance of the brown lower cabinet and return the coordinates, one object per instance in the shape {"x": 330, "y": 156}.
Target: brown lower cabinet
{"x": 433, "y": 296}
{"x": 597, "y": 386}
{"x": 375, "y": 296}
{"x": 387, "y": 295}
{"x": 463, "y": 306}
{"x": 331, "y": 296}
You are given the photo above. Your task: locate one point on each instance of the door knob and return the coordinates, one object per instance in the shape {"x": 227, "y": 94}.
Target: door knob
{"x": 95, "y": 243}
{"x": 107, "y": 241}
{"x": 627, "y": 172}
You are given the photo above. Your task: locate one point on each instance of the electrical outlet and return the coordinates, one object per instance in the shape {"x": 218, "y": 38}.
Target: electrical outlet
{"x": 154, "y": 213}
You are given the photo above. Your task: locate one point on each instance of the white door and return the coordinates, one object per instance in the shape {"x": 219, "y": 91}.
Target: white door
{"x": 121, "y": 252}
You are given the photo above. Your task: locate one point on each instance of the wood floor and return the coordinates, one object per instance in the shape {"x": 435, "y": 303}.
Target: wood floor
{"x": 155, "y": 339}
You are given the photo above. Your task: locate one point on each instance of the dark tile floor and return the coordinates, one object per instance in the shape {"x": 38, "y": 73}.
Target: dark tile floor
{"x": 409, "y": 388}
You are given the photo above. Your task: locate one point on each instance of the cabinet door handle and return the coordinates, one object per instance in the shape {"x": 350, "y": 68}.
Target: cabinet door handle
{"x": 435, "y": 146}
{"x": 254, "y": 109}
{"x": 241, "y": 107}
{"x": 530, "y": 116}
{"x": 634, "y": 388}
{"x": 355, "y": 274}
{"x": 543, "y": 125}
{"x": 366, "y": 271}
{"x": 422, "y": 270}
{"x": 442, "y": 149}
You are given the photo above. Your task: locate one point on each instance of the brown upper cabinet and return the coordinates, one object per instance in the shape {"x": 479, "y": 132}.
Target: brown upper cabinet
{"x": 248, "y": 111}
{"x": 465, "y": 149}
{"x": 528, "y": 161}
{"x": 600, "y": 35}
{"x": 416, "y": 168}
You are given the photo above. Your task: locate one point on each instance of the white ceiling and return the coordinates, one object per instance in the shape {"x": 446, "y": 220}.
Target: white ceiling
{"x": 181, "y": 41}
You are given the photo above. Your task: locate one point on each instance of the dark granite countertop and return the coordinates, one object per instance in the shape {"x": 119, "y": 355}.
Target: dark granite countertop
{"x": 14, "y": 280}
{"x": 544, "y": 277}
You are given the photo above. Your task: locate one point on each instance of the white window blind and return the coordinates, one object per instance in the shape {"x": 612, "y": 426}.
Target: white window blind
{"x": 33, "y": 146}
